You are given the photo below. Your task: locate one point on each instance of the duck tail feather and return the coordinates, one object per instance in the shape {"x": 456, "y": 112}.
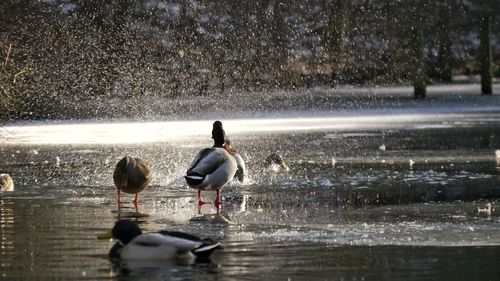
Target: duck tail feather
{"x": 194, "y": 179}
{"x": 206, "y": 250}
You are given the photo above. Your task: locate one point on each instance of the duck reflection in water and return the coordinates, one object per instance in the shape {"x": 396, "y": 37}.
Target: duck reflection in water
{"x": 129, "y": 212}
{"x": 163, "y": 269}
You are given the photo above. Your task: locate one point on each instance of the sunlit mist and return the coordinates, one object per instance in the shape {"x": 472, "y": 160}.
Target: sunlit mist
{"x": 141, "y": 132}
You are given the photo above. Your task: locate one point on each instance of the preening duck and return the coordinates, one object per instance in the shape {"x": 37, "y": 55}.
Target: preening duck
{"x": 133, "y": 244}
{"x": 132, "y": 175}
{"x": 212, "y": 168}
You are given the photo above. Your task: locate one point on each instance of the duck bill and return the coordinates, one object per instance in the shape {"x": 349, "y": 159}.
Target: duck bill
{"x": 284, "y": 166}
{"x": 105, "y": 235}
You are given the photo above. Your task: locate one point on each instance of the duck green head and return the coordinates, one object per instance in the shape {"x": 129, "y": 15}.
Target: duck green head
{"x": 126, "y": 230}
{"x": 218, "y": 134}
{"x": 277, "y": 160}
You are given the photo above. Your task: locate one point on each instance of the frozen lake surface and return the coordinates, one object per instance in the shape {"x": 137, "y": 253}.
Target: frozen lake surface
{"x": 369, "y": 196}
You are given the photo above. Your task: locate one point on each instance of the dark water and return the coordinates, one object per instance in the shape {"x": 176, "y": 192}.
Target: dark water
{"x": 347, "y": 210}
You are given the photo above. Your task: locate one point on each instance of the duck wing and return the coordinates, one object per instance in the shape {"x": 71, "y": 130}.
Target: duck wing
{"x": 216, "y": 168}
{"x": 139, "y": 173}
{"x": 182, "y": 235}
{"x": 207, "y": 247}
{"x": 120, "y": 176}
{"x": 207, "y": 161}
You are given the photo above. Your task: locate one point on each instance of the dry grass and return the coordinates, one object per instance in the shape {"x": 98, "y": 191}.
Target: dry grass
{"x": 12, "y": 80}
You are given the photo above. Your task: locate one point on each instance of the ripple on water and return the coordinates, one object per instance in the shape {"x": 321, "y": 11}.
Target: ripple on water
{"x": 370, "y": 212}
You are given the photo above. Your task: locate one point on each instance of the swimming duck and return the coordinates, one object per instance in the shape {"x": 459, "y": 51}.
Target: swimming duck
{"x": 275, "y": 163}
{"x": 6, "y": 183}
{"x": 133, "y": 244}
{"x": 212, "y": 168}
{"x": 132, "y": 175}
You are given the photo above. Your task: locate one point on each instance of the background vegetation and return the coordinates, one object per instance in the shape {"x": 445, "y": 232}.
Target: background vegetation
{"x": 57, "y": 54}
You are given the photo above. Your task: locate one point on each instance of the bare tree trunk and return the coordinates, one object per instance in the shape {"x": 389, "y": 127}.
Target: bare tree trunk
{"x": 485, "y": 55}
{"x": 112, "y": 39}
{"x": 445, "y": 55}
{"x": 334, "y": 36}
{"x": 419, "y": 76}
{"x": 279, "y": 30}
{"x": 116, "y": 42}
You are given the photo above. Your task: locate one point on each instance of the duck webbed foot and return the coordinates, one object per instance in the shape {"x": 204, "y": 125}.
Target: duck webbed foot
{"x": 119, "y": 199}
{"x": 200, "y": 200}
{"x": 136, "y": 200}
{"x": 218, "y": 201}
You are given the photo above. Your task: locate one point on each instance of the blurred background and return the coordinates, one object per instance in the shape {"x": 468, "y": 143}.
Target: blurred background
{"x": 65, "y": 59}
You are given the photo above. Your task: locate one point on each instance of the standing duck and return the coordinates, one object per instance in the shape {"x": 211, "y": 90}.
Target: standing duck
{"x": 212, "y": 168}
{"x": 132, "y": 175}
{"x": 133, "y": 244}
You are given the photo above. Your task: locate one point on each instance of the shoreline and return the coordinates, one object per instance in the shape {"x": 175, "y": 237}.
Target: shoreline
{"x": 344, "y": 100}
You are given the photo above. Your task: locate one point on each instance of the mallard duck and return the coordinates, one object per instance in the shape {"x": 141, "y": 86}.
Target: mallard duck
{"x": 275, "y": 163}
{"x": 212, "y": 168}
{"x": 133, "y": 244}
{"x": 6, "y": 183}
{"x": 132, "y": 175}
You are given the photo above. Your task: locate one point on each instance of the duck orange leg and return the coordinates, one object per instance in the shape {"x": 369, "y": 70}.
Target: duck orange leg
{"x": 136, "y": 199}
{"x": 218, "y": 201}
{"x": 119, "y": 201}
{"x": 200, "y": 200}
{"x": 218, "y": 208}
